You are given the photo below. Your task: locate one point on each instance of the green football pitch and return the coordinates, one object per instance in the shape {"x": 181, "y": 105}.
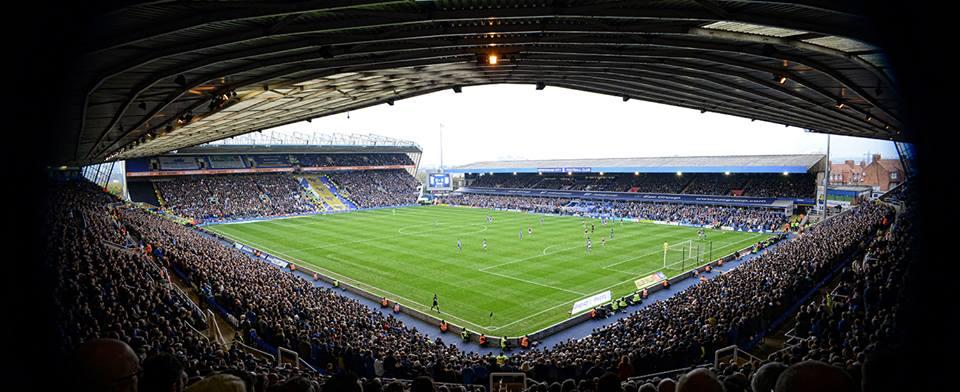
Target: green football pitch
{"x": 408, "y": 254}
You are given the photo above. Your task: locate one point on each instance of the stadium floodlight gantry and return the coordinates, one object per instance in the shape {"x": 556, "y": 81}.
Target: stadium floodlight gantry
{"x": 158, "y": 76}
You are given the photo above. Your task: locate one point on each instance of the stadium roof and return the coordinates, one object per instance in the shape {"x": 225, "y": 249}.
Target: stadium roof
{"x": 220, "y": 149}
{"x": 800, "y": 163}
{"x": 158, "y": 76}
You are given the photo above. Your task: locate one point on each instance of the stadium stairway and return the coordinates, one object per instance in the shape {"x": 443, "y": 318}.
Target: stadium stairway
{"x": 156, "y": 189}
{"x": 332, "y": 187}
{"x": 144, "y": 192}
{"x": 326, "y": 194}
{"x": 312, "y": 194}
{"x": 224, "y": 327}
{"x": 225, "y": 332}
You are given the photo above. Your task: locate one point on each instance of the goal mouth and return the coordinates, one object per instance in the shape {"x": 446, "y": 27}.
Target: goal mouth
{"x": 687, "y": 254}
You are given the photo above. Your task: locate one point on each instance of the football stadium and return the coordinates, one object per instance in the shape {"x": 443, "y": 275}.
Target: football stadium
{"x": 215, "y": 215}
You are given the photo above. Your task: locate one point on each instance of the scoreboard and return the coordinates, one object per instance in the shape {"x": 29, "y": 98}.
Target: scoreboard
{"x": 439, "y": 182}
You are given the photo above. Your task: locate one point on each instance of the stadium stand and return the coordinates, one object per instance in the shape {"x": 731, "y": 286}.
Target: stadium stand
{"x": 857, "y": 315}
{"x": 780, "y": 186}
{"x": 106, "y": 291}
{"x": 732, "y": 308}
{"x": 745, "y": 218}
{"x": 769, "y": 176}
{"x": 376, "y": 188}
{"x": 235, "y": 196}
{"x": 739, "y": 184}
{"x": 242, "y": 196}
{"x": 123, "y": 293}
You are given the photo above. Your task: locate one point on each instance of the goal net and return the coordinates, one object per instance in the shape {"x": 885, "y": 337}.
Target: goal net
{"x": 687, "y": 254}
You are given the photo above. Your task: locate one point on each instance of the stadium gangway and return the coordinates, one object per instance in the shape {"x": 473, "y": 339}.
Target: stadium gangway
{"x": 835, "y": 296}
{"x": 214, "y": 329}
{"x": 297, "y": 361}
{"x": 252, "y": 350}
{"x": 791, "y": 336}
{"x": 774, "y": 354}
{"x": 202, "y": 314}
{"x": 792, "y": 339}
{"x": 735, "y": 352}
{"x": 183, "y": 294}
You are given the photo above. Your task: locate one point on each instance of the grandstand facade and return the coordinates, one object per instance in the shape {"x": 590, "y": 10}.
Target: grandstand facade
{"x": 772, "y": 181}
{"x": 231, "y": 181}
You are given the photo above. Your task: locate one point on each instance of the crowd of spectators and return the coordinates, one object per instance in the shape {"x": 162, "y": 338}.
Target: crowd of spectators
{"x": 732, "y": 308}
{"x": 777, "y": 185}
{"x": 279, "y": 309}
{"x": 715, "y": 184}
{"x": 239, "y": 196}
{"x": 234, "y": 196}
{"x": 377, "y": 188}
{"x": 750, "y": 184}
{"x": 857, "y": 317}
{"x": 591, "y": 182}
{"x": 506, "y": 181}
{"x": 124, "y": 294}
{"x": 325, "y": 160}
{"x": 545, "y": 205}
{"x": 747, "y": 218}
{"x": 109, "y": 297}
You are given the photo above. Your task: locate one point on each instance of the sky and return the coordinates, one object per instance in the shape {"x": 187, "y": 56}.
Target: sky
{"x": 500, "y": 122}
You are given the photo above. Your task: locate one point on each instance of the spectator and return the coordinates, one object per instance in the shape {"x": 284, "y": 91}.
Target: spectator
{"x": 699, "y": 380}
{"x": 163, "y": 372}
{"x": 105, "y": 365}
{"x": 814, "y": 376}
{"x": 667, "y": 385}
{"x": 765, "y": 378}
{"x": 219, "y": 383}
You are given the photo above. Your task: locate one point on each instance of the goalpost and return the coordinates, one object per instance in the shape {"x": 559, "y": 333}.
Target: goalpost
{"x": 687, "y": 254}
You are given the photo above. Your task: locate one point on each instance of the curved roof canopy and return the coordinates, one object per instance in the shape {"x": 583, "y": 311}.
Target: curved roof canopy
{"x": 162, "y": 75}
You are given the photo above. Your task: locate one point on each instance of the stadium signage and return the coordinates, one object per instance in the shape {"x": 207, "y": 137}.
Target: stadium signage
{"x": 162, "y": 173}
{"x": 277, "y": 262}
{"x": 741, "y": 201}
{"x": 649, "y": 280}
{"x": 591, "y": 302}
{"x": 564, "y": 169}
